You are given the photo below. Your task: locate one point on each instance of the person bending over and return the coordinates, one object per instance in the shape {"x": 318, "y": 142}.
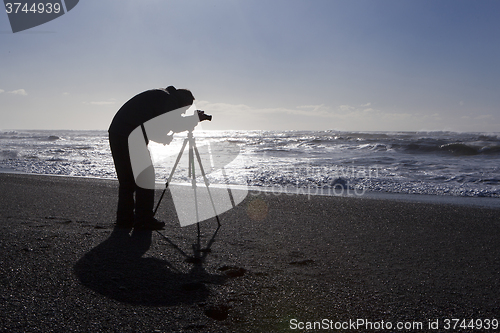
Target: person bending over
{"x": 150, "y": 115}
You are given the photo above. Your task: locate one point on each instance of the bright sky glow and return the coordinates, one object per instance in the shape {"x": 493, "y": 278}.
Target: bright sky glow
{"x": 362, "y": 65}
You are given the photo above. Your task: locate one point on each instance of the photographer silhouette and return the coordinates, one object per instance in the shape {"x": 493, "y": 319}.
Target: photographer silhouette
{"x": 151, "y": 115}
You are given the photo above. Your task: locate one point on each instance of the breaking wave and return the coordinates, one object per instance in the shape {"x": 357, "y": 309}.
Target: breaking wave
{"x": 441, "y": 163}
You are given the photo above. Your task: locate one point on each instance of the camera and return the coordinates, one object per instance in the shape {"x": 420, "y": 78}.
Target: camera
{"x": 203, "y": 116}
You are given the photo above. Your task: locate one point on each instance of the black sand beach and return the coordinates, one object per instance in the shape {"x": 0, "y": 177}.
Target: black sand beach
{"x": 277, "y": 261}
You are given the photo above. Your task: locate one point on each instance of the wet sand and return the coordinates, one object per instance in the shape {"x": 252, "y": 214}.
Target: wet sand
{"x": 277, "y": 262}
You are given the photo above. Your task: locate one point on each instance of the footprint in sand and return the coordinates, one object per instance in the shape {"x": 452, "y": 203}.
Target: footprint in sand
{"x": 307, "y": 262}
{"x": 233, "y": 271}
{"x": 217, "y": 312}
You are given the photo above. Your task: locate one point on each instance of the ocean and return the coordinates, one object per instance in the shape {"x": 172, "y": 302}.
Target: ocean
{"x": 324, "y": 162}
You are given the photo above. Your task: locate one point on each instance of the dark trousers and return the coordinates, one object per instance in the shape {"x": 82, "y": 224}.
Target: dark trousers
{"x": 144, "y": 198}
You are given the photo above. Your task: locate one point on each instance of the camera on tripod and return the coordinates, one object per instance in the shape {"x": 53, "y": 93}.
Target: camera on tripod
{"x": 203, "y": 116}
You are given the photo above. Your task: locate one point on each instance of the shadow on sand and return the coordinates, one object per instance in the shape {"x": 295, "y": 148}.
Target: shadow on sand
{"x": 116, "y": 269}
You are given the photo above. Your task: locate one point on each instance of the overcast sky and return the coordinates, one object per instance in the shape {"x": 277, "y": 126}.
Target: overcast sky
{"x": 294, "y": 64}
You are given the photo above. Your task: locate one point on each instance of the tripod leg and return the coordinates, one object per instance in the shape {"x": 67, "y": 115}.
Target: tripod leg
{"x": 171, "y": 175}
{"x": 192, "y": 173}
{"x": 161, "y": 198}
{"x": 228, "y": 190}
{"x": 206, "y": 182}
{"x": 177, "y": 160}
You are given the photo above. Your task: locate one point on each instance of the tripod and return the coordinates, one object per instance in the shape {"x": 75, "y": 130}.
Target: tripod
{"x": 192, "y": 151}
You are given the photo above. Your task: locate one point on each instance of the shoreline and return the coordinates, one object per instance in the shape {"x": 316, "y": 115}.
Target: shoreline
{"x": 486, "y": 202}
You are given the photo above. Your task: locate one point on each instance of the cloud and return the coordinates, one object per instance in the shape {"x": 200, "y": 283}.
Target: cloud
{"x": 314, "y": 107}
{"x": 1, "y": 91}
{"x": 316, "y": 110}
{"x": 244, "y": 110}
{"x": 484, "y": 116}
{"x": 20, "y": 92}
{"x": 341, "y": 117}
{"x": 346, "y": 108}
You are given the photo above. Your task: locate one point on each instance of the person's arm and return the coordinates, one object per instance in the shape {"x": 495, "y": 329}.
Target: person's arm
{"x": 186, "y": 123}
{"x": 158, "y": 128}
